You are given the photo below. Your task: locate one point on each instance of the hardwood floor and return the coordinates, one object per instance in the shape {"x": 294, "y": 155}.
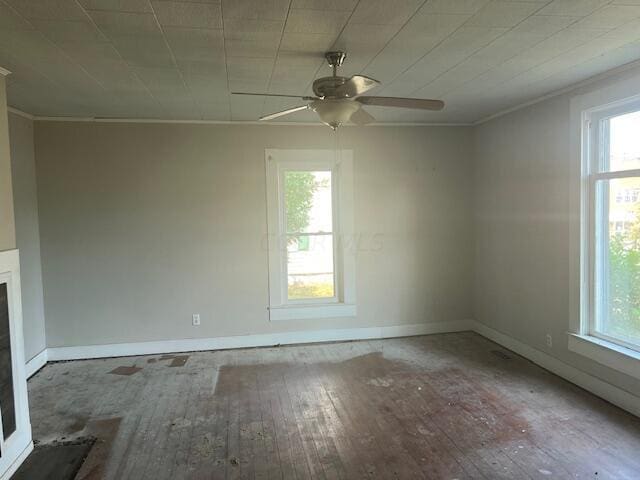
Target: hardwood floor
{"x": 450, "y": 406}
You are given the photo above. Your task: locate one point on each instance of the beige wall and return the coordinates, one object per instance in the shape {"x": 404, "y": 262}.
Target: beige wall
{"x": 144, "y": 224}
{"x": 7, "y": 225}
{"x": 522, "y": 202}
{"x": 25, "y": 202}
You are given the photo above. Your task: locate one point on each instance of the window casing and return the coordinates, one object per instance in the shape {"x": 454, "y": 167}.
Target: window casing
{"x": 310, "y": 219}
{"x": 611, "y": 259}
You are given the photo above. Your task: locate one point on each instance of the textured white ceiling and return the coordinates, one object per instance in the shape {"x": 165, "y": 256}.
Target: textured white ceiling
{"x": 180, "y": 59}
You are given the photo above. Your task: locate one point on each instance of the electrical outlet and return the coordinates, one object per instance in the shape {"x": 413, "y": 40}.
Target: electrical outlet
{"x": 195, "y": 318}
{"x": 549, "y": 340}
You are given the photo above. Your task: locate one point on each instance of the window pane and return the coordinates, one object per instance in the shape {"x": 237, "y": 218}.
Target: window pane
{"x": 310, "y": 267}
{"x": 7, "y": 401}
{"x": 308, "y": 201}
{"x": 624, "y": 142}
{"x": 617, "y": 287}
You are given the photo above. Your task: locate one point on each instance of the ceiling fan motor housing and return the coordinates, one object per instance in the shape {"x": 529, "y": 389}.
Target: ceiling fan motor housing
{"x": 325, "y": 87}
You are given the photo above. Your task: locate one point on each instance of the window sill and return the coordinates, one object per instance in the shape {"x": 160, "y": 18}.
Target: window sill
{"x": 303, "y": 312}
{"x": 606, "y": 353}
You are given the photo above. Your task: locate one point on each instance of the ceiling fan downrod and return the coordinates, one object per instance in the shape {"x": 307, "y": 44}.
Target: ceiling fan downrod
{"x": 335, "y": 60}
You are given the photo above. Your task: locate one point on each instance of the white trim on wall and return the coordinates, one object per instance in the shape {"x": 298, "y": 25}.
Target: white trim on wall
{"x": 562, "y": 91}
{"x": 611, "y": 354}
{"x": 20, "y": 113}
{"x": 617, "y": 396}
{"x": 36, "y": 363}
{"x": 600, "y": 388}
{"x": 336, "y": 310}
{"x": 249, "y": 341}
{"x": 241, "y": 122}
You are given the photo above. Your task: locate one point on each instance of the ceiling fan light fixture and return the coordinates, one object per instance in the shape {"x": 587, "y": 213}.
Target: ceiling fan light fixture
{"x": 334, "y": 112}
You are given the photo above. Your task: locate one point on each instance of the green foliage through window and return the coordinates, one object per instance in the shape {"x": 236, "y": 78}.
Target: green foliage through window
{"x": 298, "y": 191}
{"x": 624, "y": 286}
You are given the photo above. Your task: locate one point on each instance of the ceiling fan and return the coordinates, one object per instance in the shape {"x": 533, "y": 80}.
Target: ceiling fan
{"x": 339, "y": 99}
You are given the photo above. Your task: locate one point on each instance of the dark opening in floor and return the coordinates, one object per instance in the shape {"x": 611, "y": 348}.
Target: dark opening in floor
{"x": 61, "y": 461}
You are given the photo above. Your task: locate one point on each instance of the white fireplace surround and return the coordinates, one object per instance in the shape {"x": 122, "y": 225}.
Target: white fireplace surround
{"x": 19, "y": 444}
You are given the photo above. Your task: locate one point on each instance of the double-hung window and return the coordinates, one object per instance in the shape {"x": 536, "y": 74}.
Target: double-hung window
{"x": 309, "y": 210}
{"x": 607, "y": 327}
{"x": 614, "y": 181}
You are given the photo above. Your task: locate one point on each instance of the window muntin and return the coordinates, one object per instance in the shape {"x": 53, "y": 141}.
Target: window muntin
{"x": 615, "y": 217}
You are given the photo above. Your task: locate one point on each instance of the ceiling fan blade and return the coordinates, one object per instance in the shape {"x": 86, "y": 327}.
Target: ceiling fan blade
{"x": 421, "y": 103}
{"x": 284, "y": 112}
{"x": 362, "y": 117}
{"x": 356, "y": 85}
{"x": 273, "y": 95}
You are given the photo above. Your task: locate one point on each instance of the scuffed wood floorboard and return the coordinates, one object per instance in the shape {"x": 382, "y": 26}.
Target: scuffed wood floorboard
{"x": 431, "y": 407}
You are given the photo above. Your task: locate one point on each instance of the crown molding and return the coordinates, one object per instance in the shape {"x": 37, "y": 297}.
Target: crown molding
{"x": 562, "y": 91}
{"x": 235, "y": 122}
{"x": 589, "y": 81}
{"x": 21, "y": 113}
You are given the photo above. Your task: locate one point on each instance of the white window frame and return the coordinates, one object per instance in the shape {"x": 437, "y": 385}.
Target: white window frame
{"x": 586, "y": 112}
{"x": 340, "y": 163}
{"x": 598, "y": 143}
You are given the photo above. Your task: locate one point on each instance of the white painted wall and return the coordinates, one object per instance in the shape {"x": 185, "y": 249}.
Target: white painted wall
{"x": 25, "y": 202}
{"x": 144, "y": 224}
{"x": 523, "y": 215}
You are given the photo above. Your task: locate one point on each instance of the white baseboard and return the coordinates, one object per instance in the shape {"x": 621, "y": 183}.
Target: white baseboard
{"x": 602, "y": 389}
{"x": 246, "y": 341}
{"x": 615, "y": 395}
{"x": 36, "y": 363}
